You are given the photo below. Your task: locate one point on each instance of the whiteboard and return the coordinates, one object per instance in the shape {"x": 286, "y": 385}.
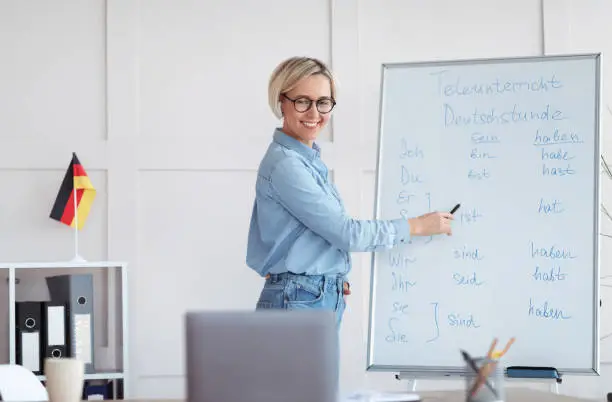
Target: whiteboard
{"x": 516, "y": 142}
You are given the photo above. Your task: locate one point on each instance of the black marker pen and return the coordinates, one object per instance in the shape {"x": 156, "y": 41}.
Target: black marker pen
{"x": 455, "y": 208}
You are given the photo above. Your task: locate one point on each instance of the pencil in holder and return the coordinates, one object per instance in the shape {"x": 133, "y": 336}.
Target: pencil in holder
{"x": 486, "y": 384}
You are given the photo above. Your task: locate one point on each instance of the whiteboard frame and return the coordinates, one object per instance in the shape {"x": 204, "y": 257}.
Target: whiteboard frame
{"x": 446, "y": 371}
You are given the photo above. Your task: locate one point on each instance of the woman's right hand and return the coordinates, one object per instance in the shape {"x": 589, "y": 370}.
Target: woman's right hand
{"x": 431, "y": 224}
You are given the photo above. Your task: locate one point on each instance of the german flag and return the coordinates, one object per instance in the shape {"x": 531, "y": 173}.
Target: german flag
{"x": 64, "y": 208}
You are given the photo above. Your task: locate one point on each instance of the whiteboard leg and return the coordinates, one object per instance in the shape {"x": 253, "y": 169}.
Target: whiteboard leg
{"x": 414, "y": 385}
{"x": 554, "y": 387}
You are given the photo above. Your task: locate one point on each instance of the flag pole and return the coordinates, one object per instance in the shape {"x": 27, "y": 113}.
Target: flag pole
{"x": 77, "y": 257}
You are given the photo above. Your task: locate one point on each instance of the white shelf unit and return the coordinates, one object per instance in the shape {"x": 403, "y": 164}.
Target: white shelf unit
{"x": 111, "y": 281}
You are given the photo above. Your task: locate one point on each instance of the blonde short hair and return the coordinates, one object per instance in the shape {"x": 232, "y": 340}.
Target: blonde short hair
{"x": 289, "y": 73}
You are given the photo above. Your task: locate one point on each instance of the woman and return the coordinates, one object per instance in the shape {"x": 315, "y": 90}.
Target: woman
{"x": 300, "y": 235}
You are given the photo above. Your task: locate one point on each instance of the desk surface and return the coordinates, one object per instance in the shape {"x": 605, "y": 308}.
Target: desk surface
{"x": 512, "y": 395}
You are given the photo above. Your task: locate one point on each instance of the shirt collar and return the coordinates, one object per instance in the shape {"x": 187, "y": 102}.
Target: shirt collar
{"x": 283, "y": 139}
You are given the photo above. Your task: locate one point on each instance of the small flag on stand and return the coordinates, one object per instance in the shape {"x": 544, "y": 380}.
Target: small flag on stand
{"x": 76, "y": 183}
{"x": 74, "y": 200}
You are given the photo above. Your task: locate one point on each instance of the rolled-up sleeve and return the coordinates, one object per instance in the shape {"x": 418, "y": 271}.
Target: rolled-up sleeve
{"x": 296, "y": 189}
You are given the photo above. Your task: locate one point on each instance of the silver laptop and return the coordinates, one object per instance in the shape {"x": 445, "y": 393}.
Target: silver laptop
{"x": 261, "y": 356}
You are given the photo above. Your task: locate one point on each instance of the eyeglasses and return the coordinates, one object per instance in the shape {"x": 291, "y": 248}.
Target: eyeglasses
{"x": 303, "y": 104}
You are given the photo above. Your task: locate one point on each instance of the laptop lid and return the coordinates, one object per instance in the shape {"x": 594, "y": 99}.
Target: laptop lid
{"x": 261, "y": 356}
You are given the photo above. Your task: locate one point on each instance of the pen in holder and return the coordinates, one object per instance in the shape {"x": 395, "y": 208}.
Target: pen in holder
{"x": 486, "y": 383}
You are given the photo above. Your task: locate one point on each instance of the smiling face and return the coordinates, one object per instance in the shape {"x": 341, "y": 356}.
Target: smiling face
{"x": 302, "y": 122}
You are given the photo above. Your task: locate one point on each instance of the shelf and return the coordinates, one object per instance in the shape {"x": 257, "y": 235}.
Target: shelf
{"x": 62, "y": 264}
{"x": 110, "y": 375}
{"x": 26, "y": 281}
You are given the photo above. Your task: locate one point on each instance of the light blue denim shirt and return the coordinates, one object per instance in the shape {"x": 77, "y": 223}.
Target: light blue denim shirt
{"x": 299, "y": 223}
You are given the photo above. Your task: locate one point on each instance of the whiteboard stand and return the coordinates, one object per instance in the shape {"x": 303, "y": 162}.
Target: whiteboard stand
{"x": 410, "y": 378}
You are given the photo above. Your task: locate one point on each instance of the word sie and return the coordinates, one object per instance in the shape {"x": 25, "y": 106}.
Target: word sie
{"x": 454, "y": 86}
{"x": 399, "y": 308}
{"x": 395, "y": 335}
{"x": 554, "y": 275}
{"x": 546, "y": 311}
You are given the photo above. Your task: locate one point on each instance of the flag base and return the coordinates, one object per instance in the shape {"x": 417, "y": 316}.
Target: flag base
{"x": 77, "y": 258}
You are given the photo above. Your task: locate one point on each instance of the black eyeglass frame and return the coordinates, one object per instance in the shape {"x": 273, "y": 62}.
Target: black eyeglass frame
{"x": 310, "y": 102}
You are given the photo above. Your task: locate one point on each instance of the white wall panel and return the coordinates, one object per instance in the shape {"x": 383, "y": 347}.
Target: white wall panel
{"x": 192, "y": 242}
{"x": 205, "y": 66}
{"x": 52, "y": 80}
{"x": 28, "y": 234}
{"x": 405, "y": 31}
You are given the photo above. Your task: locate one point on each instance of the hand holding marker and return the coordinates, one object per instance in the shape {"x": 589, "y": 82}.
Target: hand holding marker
{"x": 455, "y": 208}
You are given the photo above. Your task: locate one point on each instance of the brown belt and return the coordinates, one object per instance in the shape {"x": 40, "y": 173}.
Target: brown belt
{"x": 346, "y": 287}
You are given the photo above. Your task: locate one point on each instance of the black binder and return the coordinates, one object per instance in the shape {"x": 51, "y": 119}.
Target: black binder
{"x": 77, "y": 292}
{"x": 56, "y": 330}
{"x": 28, "y": 335}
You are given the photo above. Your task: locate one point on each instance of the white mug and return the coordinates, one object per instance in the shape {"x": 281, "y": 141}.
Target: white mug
{"x": 65, "y": 378}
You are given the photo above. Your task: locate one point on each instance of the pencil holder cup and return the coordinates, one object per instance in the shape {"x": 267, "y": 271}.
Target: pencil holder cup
{"x": 486, "y": 384}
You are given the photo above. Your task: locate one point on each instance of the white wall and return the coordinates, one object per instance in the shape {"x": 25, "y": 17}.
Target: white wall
{"x": 165, "y": 103}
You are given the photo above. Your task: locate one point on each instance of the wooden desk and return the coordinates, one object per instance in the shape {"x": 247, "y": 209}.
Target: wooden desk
{"x": 512, "y": 395}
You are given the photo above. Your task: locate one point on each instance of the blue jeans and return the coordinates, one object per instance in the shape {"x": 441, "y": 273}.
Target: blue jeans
{"x": 292, "y": 291}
